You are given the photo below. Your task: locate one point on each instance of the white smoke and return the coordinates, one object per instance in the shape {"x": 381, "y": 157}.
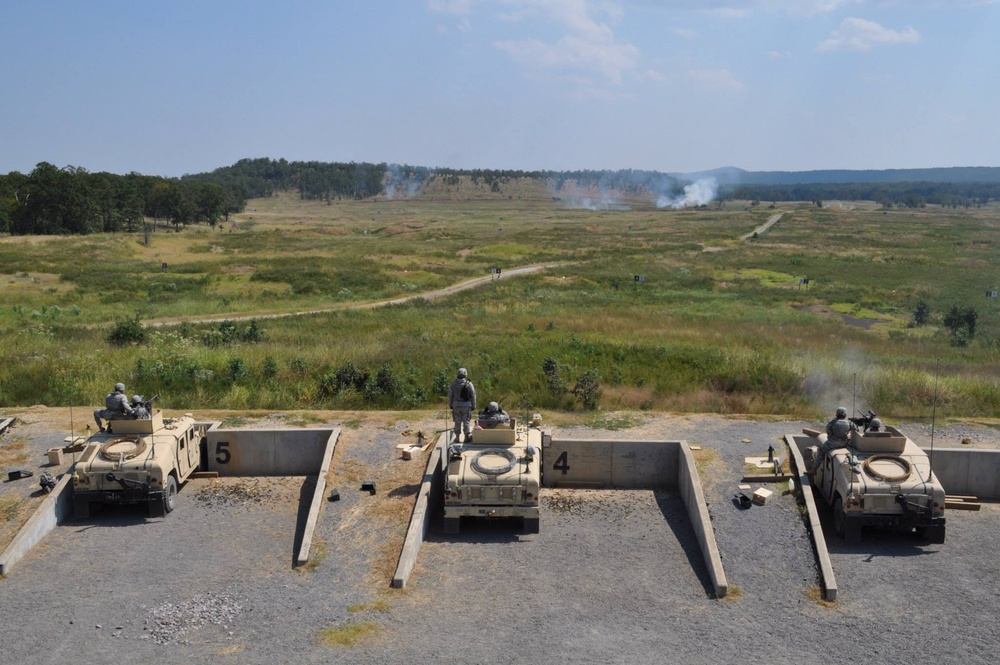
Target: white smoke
{"x": 696, "y": 194}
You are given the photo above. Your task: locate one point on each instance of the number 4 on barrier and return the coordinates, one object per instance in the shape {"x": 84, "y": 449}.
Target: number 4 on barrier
{"x": 562, "y": 463}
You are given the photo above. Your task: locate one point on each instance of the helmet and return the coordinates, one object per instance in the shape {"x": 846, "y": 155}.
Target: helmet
{"x": 462, "y": 372}
{"x": 119, "y": 387}
{"x": 841, "y": 412}
{"x": 493, "y": 407}
{"x": 875, "y": 425}
{"x": 137, "y": 399}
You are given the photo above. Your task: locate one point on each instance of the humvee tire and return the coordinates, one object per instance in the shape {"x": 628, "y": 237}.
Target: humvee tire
{"x": 839, "y": 518}
{"x": 451, "y": 525}
{"x": 531, "y": 525}
{"x": 849, "y": 530}
{"x": 81, "y": 508}
{"x": 170, "y": 495}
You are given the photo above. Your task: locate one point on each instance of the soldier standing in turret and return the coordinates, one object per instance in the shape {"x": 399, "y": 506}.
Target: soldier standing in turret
{"x": 837, "y": 431}
{"x": 462, "y": 402}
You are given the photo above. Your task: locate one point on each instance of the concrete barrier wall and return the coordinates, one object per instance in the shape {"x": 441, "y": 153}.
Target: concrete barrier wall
{"x": 974, "y": 471}
{"x": 609, "y": 464}
{"x": 424, "y": 509}
{"x": 689, "y": 484}
{"x": 272, "y": 452}
{"x": 5, "y": 423}
{"x": 317, "y": 500}
{"x": 53, "y": 510}
{"x": 623, "y": 464}
{"x": 796, "y": 443}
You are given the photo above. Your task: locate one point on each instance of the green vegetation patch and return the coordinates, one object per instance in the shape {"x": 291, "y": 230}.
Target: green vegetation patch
{"x": 349, "y": 635}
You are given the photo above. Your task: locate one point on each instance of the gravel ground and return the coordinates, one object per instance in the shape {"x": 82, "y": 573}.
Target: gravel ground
{"x": 613, "y": 576}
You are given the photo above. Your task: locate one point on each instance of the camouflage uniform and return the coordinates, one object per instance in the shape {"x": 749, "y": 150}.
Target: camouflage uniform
{"x": 140, "y": 412}
{"x": 837, "y": 432}
{"x": 492, "y": 416}
{"x": 116, "y": 407}
{"x": 461, "y": 409}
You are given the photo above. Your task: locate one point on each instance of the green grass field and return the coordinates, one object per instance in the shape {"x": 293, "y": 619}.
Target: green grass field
{"x": 717, "y": 325}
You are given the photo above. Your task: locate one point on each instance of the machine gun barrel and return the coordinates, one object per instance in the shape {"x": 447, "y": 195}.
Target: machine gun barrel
{"x": 149, "y": 402}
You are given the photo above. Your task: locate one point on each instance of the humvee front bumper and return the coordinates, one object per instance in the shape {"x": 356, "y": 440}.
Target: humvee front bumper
{"x": 117, "y": 496}
{"x": 529, "y": 512}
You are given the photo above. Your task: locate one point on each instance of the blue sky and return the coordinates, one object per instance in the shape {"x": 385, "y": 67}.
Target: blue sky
{"x": 179, "y": 87}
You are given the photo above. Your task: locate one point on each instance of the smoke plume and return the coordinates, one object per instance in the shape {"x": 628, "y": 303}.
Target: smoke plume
{"x": 696, "y": 194}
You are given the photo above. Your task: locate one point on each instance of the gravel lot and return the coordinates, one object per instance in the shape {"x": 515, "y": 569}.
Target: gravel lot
{"x": 612, "y": 577}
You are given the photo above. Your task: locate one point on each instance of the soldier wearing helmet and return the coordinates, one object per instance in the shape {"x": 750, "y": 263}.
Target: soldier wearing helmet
{"x": 139, "y": 408}
{"x": 462, "y": 402}
{"x": 837, "y": 431}
{"x": 492, "y": 416}
{"x": 116, "y": 407}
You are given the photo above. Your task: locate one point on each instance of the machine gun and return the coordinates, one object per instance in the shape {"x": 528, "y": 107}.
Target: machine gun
{"x": 148, "y": 404}
{"x": 864, "y": 422}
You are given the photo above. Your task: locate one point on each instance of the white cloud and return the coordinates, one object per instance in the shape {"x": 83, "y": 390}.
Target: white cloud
{"x": 718, "y": 79}
{"x": 589, "y": 50}
{"x": 858, "y": 34}
{"x": 779, "y": 55}
{"x": 685, "y": 33}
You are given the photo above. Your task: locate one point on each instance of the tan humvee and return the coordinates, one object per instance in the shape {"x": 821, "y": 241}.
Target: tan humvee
{"x": 880, "y": 479}
{"x": 142, "y": 461}
{"x": 497, "y": 475}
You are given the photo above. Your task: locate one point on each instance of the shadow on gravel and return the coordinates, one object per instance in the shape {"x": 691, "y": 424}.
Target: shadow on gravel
{"x": 406, "y": 490}
{"x": 481, "y": 531}
{"x": 875, "y": 542}
{"x": 104, "y": 516}
{"x": 305, "y": 501}
{"x": 675, "y": 513}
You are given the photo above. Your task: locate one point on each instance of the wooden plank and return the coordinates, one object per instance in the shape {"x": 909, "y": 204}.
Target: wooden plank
{"x": 767, "y": 478}
{"x": 205, "y": 474}
{"x": 960, "y": 497}
{"x": 961, "y": 505}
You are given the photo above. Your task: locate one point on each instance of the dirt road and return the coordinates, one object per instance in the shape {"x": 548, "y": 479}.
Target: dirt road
{"x": 428, "y": 295}
{"x": 762, "y": 229}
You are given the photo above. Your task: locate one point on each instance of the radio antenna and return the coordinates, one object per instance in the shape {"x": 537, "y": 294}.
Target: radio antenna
{"x": 854, "y": 396}
{"x": 937, "y": 375}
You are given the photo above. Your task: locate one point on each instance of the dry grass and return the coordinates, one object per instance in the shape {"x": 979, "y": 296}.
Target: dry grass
{"x": 13, "y": 452}
{"x": 317, "y": 553}
{"x": 815, "y": 594}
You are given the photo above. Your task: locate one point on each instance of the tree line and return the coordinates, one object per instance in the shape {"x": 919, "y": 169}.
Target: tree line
{"x": 52, "y": 200}
{"x": 71, "y": 200}
{"x": 887, "y": 194}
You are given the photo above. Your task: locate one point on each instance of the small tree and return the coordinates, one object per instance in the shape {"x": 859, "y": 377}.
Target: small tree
{"x": 127, "y": 331}
{"x": 588, "y": 390}
{"x": 921, "y": 313}
{"x": 961, "y": 322}
{"x": 555, "y": 382}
